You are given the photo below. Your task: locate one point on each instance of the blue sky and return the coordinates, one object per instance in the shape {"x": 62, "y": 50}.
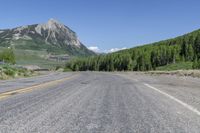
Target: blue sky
{"x": 108, "y": 24}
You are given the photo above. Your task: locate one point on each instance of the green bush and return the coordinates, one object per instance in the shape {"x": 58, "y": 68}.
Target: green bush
{"x": 10, "y": 72}
{"x": 8, "y": 56}
{"x": 196, "y": 64}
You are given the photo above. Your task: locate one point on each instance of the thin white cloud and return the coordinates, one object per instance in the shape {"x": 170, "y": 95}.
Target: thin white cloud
{"x": 98, "y": 50}
{"x": 115, "y": 50}
{"x": 94, "y": 48}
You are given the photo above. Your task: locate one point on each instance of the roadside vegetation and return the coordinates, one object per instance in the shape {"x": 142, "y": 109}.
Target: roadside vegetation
{"x": 176, "y": 66}
{"x": 179, "y": 53}
{"x": 8, "y": 69}
{"x": 11, "y": 71}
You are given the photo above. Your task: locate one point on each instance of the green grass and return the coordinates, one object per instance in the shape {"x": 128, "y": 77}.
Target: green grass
{"x": 41, "y": 63}
{"x": 33, "y": 45}
{"x": 176, "y": 66}
{"x": 34, "y": 57}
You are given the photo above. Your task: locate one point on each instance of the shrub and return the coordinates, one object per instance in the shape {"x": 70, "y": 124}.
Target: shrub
{"x": 8, "y": 56}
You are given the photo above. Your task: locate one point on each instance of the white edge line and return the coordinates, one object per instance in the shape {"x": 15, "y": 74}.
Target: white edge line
{"x": 175, "y": 99}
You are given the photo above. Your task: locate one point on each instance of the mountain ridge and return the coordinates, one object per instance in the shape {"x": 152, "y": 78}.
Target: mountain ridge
{"x": 53, "y": 36}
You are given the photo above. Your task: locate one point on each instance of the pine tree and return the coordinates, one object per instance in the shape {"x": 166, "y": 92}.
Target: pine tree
{"x": 197, "y": 46}
{"x": 196, "y": 63}
{"x": 183, "y": 51}
{"x": 190, "y": 53}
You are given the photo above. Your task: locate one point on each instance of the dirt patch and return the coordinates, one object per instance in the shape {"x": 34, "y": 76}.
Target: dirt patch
{"x": 191, "y": 73}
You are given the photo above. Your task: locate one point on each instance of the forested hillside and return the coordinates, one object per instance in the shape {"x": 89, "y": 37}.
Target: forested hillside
{"x": 185, "y": 48}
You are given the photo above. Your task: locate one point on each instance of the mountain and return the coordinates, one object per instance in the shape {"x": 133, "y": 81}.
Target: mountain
{"x": 53, "y": 36}
{"x": 182, "y": 52}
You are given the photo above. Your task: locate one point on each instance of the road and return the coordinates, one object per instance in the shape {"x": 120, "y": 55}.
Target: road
{"x": 95, "y": 102}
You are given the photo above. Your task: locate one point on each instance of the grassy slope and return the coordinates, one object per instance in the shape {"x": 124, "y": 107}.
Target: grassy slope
{"x": 32, "y": 45}
{"x": 177, "y": 66}
{"x": 33, "y": 57}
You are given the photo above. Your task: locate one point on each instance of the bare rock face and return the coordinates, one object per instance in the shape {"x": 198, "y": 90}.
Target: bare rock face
{"x": 57, "y": 32}
{"x": 52, "y": 36}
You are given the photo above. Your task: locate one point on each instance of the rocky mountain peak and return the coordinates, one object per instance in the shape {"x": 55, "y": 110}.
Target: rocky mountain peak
{"x": 52, "y": 35}
{"x": 52, "y": 20}
{"x": 54, "y": 24}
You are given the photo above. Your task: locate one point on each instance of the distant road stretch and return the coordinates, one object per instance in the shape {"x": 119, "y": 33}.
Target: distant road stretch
{"x": 98, "y": 102}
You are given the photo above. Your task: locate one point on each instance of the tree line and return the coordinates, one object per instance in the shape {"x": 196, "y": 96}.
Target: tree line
{"x": 144, "y": 58}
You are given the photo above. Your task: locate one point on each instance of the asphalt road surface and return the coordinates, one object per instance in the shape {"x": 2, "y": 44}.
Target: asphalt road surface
{"x": 94, "y": 102}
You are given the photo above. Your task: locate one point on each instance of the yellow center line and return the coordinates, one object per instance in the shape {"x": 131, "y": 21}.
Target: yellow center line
{"x": 7, "y": 94}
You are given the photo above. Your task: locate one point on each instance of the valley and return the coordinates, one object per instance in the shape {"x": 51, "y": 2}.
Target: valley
{"x": 45, "y": 45}
{"x": 99, "y": 66}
